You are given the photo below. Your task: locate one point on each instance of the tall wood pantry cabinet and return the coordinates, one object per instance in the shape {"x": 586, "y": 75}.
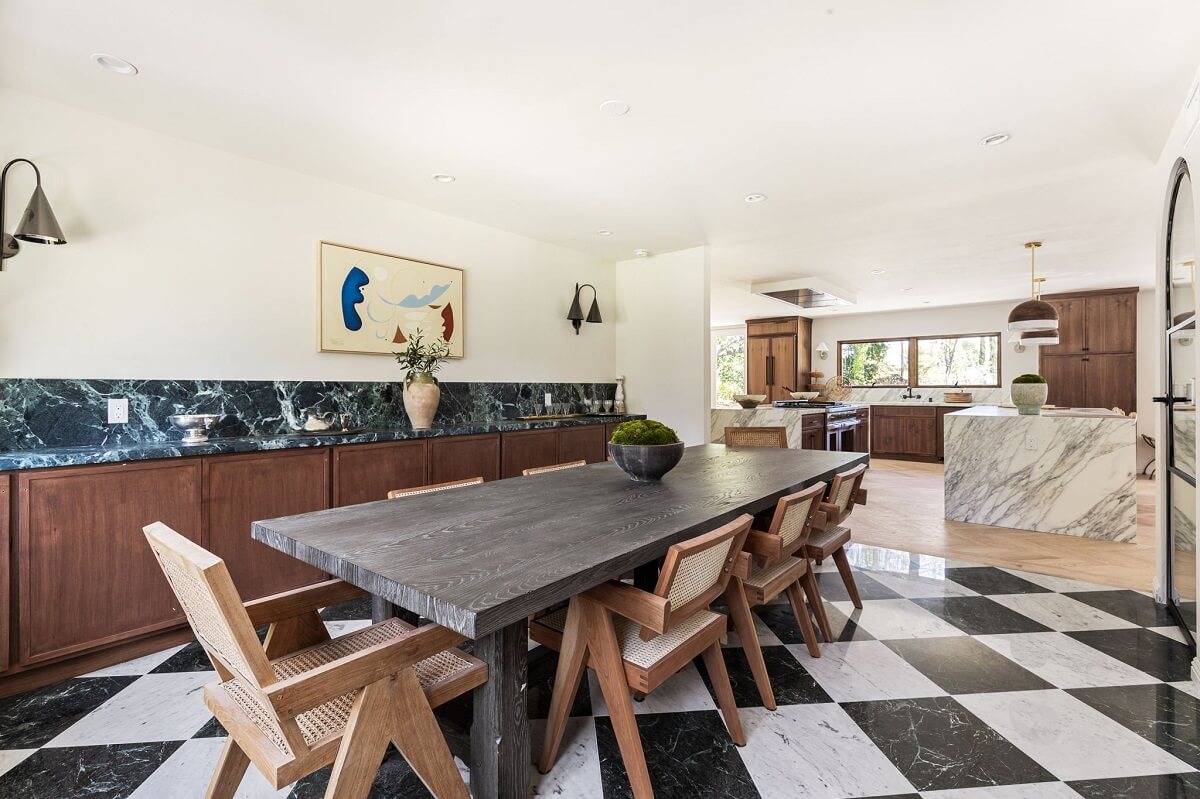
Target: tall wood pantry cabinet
{"x": 778, "y": 355}
{"x": 1094, "y": 365}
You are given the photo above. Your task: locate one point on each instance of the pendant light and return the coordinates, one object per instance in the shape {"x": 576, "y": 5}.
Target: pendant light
{"x": 1033, "y": 314}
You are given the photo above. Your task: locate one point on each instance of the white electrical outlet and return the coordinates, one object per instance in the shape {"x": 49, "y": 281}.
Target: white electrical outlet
{"x": 118, "y": 411}
{"x": 1030, "y": 442}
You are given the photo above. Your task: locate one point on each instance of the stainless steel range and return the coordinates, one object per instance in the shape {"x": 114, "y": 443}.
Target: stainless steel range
{"x": 841, "y": 422}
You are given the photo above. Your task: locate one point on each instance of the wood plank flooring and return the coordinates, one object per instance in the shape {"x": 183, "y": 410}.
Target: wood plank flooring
{"x": 905, "y": 511}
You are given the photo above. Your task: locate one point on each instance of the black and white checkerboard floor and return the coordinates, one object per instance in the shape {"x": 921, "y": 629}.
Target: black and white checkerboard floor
{"x": 954, "y": 681}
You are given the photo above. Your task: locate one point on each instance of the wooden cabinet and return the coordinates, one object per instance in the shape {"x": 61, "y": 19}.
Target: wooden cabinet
{"x": 1094, "y": 365}
{"x": 862, "y": 433}
{"x": 777, "y": 356}
{"x": 87, "y": 578}
{"x": 586, "y": 443}
{"x": 464, "y": 457}
{"x": 5, "y": 609}
{"x": 904, "y": 432}
{"x": 527, "y": 449}
{"x": 240, "y": 489}
{"x": 812, "y": 431}
{"x": 367, "y": 472}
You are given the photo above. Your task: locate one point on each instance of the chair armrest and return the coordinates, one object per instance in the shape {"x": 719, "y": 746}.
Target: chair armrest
{"x": 295, "y": 695}
{"x": 860, "y": 497}
{"x": 832, "y": 514}
{"x": 766, "y": 545}
{"x": 300, "y": 601}
{"x": 741, "y": 565}
{"x": 820, "y": 520}
{"x": 647, "y": 609}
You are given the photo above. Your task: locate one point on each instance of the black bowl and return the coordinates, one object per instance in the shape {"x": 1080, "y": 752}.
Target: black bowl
{"x": 646, "y": 463}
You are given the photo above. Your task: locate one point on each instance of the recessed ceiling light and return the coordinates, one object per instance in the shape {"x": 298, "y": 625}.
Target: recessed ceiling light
{"x": 907, "y": 289}
{"x": 878, "y": 271}
{"x": 603, "y": 232}
{"x": 614, "y": 108}
{"x": 442, "y": 177}
{"x": 114, "y": 64}
{"x": 925, "y": 302}
{"x": 994, "y": 140}
{"x": 755, "y": 198}
{"x": 642, "y": 253}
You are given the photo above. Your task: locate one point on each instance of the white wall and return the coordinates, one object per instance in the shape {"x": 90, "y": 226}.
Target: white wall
{"x": 187, "y": 262}
{"x": 663, "y": 339}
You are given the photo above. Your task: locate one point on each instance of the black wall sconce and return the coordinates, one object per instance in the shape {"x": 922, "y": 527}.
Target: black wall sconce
{"x": 37, "y": 224}
{"x": 576, "y": 312}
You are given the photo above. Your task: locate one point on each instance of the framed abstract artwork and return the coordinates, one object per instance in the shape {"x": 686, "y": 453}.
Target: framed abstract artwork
{"x": 372, "y": 302}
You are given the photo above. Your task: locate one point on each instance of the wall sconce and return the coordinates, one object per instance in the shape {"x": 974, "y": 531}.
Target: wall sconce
{"x": 823, "y": 350}
{"x": 37, "y": 224}
{"x": 576, "y": 312}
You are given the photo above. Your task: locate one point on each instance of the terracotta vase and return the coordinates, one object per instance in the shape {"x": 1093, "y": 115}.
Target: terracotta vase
{"x": 421, "y": 397}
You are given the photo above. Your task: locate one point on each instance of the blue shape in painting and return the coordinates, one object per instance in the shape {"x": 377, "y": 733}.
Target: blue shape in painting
{"x": 413, "y": 301}
{"x": 352, "y": 295}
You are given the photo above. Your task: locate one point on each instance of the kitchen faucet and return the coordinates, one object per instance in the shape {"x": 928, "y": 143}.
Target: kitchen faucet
{"x": 910, "y": 394}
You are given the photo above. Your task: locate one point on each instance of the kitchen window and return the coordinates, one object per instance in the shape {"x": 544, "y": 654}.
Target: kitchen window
{"x": 883, "y": 362}
{"x": 729, "y": 366}
{"x": 969, "y": 361}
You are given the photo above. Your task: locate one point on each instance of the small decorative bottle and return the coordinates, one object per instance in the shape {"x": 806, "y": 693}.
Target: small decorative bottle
{"x": 619, "y": 399}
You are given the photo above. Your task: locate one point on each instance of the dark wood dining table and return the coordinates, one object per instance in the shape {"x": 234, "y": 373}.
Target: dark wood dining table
{"x": 482, "y": 558}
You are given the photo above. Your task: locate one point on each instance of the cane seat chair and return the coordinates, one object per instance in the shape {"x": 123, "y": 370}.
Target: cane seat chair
{"x": 302, "y": 701}
{"x": 756, "y": 437}
{"x": 777, "y": 564}
{"x": 431, "y": 489}
{"x": 845, "y": 491}
{"x": 635, "y": 640}
{"x": 558, "y": 467}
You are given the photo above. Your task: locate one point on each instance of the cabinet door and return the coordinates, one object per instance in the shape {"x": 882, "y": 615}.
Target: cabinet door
{"x": 367, "y": 472}
{"x": 783, "y": 366}
{"x": 913, "y": 436}
{"x": 1111, "y": 323}
{"x": 241, "y": 489}
{"x": 582, "y": 444}
{"x": 87, "y": 577}
{"x": 758, "y": 351}
{"x": 1110, "y": 381}
{"x": 526, "y": 449}
{"x": 1072, "y": 332}
{"x": 1064, "y": 374}
{"x": 464, "y": 457}
{"x": 812, "y": 439}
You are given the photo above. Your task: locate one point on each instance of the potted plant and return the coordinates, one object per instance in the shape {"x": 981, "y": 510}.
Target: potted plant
{"x": 421, "y": 390}
{"x": 1029, "y": 394}
{"x": 645, "y": 449}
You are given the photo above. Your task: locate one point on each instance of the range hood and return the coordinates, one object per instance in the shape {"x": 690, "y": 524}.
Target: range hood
{"x": 809, "y": 293}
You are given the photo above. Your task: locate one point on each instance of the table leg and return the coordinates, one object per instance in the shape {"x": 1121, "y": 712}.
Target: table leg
{"x": 500, "y": 759}
{"x": 381, "y": 610}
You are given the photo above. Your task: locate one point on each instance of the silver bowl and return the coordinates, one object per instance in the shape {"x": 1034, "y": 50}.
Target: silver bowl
{"x": 195, "y": 426}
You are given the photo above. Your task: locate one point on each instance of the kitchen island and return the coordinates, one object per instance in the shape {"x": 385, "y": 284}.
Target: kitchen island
{"x": 799, "y": 422}
{"x": 1067, "y": 471}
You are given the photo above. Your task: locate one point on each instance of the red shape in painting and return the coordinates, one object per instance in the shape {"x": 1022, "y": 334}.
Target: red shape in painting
{"x": 399, "y": 337}
{"x": 448, "y": 321}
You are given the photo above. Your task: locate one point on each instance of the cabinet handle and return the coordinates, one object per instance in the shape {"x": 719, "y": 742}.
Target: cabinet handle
{"x": 1084, "y": 349}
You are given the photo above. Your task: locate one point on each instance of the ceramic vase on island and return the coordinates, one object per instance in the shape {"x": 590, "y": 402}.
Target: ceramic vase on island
{"x": 421, "y": 397}
{"x": 1029, "y": 397}
{"x": 619, "y": 397}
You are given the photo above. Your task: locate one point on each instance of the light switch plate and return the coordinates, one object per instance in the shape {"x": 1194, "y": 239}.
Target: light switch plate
{"x": 118, "y": 411}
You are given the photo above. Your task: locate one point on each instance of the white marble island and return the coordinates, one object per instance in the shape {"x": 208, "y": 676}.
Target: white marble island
{"x": 1068, "y": 471}
{"x": 762, "y": 416}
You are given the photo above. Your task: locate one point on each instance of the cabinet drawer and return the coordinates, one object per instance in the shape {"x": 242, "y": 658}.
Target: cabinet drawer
{"x": 464, "y": 457}
{"x": 367, "y": 472}
{"x": 926, "y": 411}
{"x": 812, "y": 421}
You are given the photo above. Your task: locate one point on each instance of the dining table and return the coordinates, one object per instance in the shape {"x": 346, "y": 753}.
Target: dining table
{"x": 481, "y": 559}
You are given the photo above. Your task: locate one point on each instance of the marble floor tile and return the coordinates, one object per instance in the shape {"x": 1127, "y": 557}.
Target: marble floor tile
{"x": 338, "y": 628}
{"x": 1037, "y": 790}
{"x": 540, "y": 689}
{"x": 1062, "y": 613}
{"x": 862, "y": 671}
{"x": 766, "y": 636}
{"x": 1059, "y": 584}
{"x": 1163, "y": 715}
{"x": 1129, "y": 605}
{"x": 1064, "y": 662}
{"x": 834, "y": 590}
{"x": 683, "y": 692}
{"x": 1188, "y": 687}
{"x": 912, "y": 586}
{"x": 187, "y": 772}
{"x": 842, "y": 626}
{"x": 1067, "y": 737}
{"x": 395, "y": 780}
{"x": 138, "y": 666}
{"x": 979, "y": 615}
{"x": 11, "y": 757}
{"x": 963, "y": 665}
{"x": 1157, "y": 655}
{"x": 576, "y": 773}
{"x": 990, "y": 580}
{"x": 780, "y": 620}
{"x": 802, "y": 750}
{"x": 1174, "y": 633}
{"x": 349, "y": 610}
{"x": 897, "y": 618}
{"x": 191, "y": 657}
{"x": 158, "y": 707}
{"x": 790, "y": 682}
{"x": 689, "y": 755}
{"x": 1165, "y": 786}
{"x": 85, "y": 772}
{"x": 35, "y": 717}
{"x": 938, "y": 744}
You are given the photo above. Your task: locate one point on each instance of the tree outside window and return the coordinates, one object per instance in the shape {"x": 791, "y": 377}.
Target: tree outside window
{"x": 729, "y": 363}
{"x": 875, "y": 363}
{"x": 959, "y": 361}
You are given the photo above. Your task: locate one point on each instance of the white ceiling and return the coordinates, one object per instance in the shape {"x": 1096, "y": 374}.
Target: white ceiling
{"x": 859, "y": 120}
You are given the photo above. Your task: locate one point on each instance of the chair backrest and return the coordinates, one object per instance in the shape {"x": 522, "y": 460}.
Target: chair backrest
{"x": 845, "y": 490}
{"x": 556, "y": 467}
{"x": 756, "y": 437}
{"x": 429, "y": 489}
{"x": 695, "y": 572}
{"x": 793, "y": 519}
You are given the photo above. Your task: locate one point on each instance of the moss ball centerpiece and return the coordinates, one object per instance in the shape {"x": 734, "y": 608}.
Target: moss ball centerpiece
{"x": 645, "y": 449}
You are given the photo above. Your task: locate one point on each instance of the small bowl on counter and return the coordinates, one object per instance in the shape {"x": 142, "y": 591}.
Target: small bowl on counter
{"x": 958, "y": 396}
{"x": 804, "y": 395}
{"x": 749, "y": 401}
{"x": 195, "y": 426}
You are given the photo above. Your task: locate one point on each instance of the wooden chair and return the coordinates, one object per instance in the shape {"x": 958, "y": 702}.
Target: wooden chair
{"x": 776, "y": 563}
{"x": 845, "y": 491}
{"x": 429, "y": 489}
{"x": 302, "y": 701}
{"x": 756, "y": 437}
{"x": 556, "y": 467}
{"x": 652, "y": 636}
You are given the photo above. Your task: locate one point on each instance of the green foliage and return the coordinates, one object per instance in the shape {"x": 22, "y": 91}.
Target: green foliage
{"x": 643, "y": 432}
{"x": 419, "y": 357}
{"x": 876, "y": 363}
{"x": 1029, "y": 379}
{"x": 730, "y": 362}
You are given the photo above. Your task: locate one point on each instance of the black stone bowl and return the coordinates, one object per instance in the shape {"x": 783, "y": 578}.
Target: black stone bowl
{"x": 646, "y": 463}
